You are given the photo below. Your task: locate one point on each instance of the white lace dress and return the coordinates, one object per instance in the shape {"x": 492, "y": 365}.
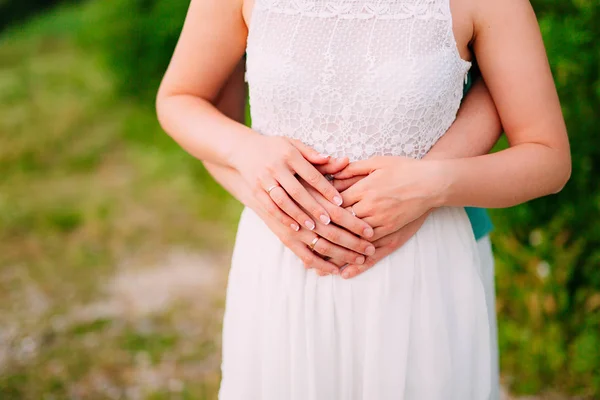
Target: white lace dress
{"x": 356, "y": 78}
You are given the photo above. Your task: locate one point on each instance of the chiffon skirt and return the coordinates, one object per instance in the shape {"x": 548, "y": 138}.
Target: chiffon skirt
{"x": 414, "y": 327}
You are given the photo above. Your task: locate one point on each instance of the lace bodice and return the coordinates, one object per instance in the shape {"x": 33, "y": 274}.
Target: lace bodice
{"x": 355, "y": 78}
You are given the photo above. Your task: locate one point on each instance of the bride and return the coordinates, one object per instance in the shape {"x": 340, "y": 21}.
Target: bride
{"x": 359, "y": 91}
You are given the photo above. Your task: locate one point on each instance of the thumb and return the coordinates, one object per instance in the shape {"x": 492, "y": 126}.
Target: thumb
{"x": 334, "y": 165}
{"x": 362, "y": 167}
{"x": 310, "y": 154}
{"x": 342, "y": 184}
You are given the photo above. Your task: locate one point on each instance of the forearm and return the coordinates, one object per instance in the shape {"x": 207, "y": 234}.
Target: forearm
{"x": 201, "y": 129}
{"x": 503, "y": 179}
{"x": 506, "y": 178}
{"x": 476, "y": 129}
{"x": 231, "y": 181}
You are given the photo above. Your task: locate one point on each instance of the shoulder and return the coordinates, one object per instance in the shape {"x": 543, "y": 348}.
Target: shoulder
{"x": 500, "y": 14}
{"x": 247, "y": 6}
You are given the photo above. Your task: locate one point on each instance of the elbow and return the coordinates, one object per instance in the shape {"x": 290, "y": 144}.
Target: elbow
{"x": 563, "y": 173}
{"x": 159, "y": 106}
{"x": 166, "y": 110}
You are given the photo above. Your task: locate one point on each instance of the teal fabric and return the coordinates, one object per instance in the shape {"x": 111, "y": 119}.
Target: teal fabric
{"x": 480, "y": 220}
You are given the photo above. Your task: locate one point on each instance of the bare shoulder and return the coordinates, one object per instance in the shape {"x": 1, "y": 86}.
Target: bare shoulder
{"x": 211, "y": 44}
{"x": 247, "y": 7}
{"x": 501, "y": 14}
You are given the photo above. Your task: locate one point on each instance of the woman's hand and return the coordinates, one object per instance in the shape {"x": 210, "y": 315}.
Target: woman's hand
{"x": 269, "y": 165}
{"x": 343, "y": 232}
{"x": 326, "y": 257}
{"x": 390, "y": 192}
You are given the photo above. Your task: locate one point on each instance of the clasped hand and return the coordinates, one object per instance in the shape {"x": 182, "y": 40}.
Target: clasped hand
{"x": 386, "y": 200}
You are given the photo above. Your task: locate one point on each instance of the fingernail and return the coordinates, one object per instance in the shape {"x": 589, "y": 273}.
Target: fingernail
{"x": 338, "y": 200}
{"x": 325, "y": 219}
{"x": 295, "y": 227}
{"x": 370, "y": 250}
{"x": 310, "y": 225}
{"x": 368, "y": 232}
{"x": 360, "y": 260}
{"x": 346, "y": 275}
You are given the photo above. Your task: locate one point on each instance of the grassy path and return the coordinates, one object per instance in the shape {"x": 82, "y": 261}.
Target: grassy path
{"x": 111, "y": 252}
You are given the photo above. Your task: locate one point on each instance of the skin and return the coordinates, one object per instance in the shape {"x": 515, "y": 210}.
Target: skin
{"x": 505, "y": 39}
{"x": 474, "y": 132}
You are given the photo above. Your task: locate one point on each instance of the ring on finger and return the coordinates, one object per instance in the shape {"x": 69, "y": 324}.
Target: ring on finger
{"x": 352, "y": 211}
{"x": 312, "y": 244}
{"x": 271, "y": 188}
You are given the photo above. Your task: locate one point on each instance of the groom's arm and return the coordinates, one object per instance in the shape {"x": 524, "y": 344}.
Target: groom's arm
{"x": 476, "y": 129}
{"x": 474, "y": 132}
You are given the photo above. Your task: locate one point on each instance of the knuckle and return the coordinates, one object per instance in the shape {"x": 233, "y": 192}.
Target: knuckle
{"x": 289, "y": 152}
{"x": 336, "y": 213}
{"x": 306, "y": 258}
{"x": 272, "y": 209}
{"x": 323, "y": 248}
{"x": 278, "y": 199}
{"x": 313, "y": 177}
{"x": 334, "y": 236}
{"x": 369, "y": 208}
{"x": 271, "y": 167}
{"x": 295, "y": 191}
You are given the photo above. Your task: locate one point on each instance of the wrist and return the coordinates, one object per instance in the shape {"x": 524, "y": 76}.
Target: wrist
{"x": 245, "y": 144}
{"x": 444, "y": 178}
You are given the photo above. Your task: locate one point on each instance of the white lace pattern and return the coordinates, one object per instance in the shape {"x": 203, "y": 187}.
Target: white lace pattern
{"x": 355, "y": 78}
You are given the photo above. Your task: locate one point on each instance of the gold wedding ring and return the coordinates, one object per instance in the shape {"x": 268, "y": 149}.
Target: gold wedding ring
{"x": 313, "y": 243}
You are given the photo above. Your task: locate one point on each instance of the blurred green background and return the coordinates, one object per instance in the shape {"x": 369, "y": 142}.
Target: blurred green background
{"x": 114, "y": 244}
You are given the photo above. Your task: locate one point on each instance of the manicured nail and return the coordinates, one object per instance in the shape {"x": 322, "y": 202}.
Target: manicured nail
{"x": 370, "y": 250}
{"x": 359, "y": 260}
{"x": 338, "y": 200}
{"x": 368, "y": 232}
{"x": 310, "y": 225}
{"x": 346, "y": 275}
{"x": 325, "y": 219}
{"x": 295, "y": 227}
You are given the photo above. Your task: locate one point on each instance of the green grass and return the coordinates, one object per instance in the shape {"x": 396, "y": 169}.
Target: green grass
{"x": 89, "y": 185}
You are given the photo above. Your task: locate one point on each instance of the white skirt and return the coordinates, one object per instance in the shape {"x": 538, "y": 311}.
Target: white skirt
{"x": 414, "y": 327}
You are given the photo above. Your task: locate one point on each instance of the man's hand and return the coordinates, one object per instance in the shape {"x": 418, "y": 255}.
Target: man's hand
{"x": 384, "y": 247}
{"x": 392, "y": 191}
